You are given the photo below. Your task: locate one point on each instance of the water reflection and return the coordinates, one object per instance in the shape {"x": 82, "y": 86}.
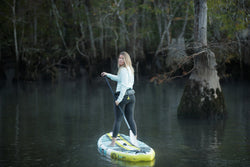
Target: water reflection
{"x": 44, "y": 124}
{"x": 115, "y": 163}
{"x": 201, "y": 140}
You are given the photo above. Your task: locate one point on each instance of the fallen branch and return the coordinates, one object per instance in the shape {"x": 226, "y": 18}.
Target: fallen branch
{"x": 55, "y": 64}
{"x": 166, "y": 77}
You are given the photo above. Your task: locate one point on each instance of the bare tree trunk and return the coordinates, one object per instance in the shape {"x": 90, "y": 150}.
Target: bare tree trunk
{"x": 56, "y": 14}
{"x": 123, "y": 32}
{"x": 92, "y": 40}
{"x": 176, "y": 49}
{"x": 78, "y": 16}
{"x": 14, "y": 29}
{"x": 102, "y": 38}
{"x": 163, "y": 36}
{"x": 116, "y": 42}
{"x": 35, "y": 27}
{"x": 158, "y": 18}
{"x": 16, "y": 78}
{"x": 166, "y": 33}
{"x": 185, "y": 23}
{"x": 200, "y": 22}
{"x": 134, "y": 38}
{"x": 202, "y": 96}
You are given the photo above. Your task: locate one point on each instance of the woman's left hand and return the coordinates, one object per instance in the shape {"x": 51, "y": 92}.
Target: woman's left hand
{"x": 117, "y": 103}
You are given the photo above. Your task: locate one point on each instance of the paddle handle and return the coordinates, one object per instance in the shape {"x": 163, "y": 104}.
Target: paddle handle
{"x": 107, "y": 81}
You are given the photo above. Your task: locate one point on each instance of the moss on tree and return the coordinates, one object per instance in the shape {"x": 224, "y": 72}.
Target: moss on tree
{"x": 200, "y": 102}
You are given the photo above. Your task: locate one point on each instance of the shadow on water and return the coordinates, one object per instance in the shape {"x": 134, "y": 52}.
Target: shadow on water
{"x": 44, "y": 124}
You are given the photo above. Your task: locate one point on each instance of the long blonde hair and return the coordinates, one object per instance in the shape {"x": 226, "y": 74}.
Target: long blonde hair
{"x": 127, "y": 62}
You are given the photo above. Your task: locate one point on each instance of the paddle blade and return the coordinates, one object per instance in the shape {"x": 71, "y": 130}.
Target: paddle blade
{"x": 133, "y": 138}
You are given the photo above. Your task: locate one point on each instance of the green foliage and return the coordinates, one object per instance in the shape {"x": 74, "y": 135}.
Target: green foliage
{"x": 228, "y": 16}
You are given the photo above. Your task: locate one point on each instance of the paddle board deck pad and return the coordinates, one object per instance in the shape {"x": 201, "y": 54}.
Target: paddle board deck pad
{"x": 124, "y": 149}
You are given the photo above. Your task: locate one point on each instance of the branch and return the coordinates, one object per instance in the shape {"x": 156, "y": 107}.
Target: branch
{"x": 166, "y": 31}
{"x": 160, "y": 78}
{"x": 54, "y": 64}
{"x": 77, "y": 47}
{"x": 56, "y": 14}
{"x": 181, "y": 76}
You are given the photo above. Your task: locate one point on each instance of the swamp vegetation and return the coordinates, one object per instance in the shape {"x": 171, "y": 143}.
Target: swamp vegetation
{"x": 40, "y": 38}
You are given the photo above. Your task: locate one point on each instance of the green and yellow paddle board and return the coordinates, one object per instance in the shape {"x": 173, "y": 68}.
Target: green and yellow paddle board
{"x": 124, "y": 150}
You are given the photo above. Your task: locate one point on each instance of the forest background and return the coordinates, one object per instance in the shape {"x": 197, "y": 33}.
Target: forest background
{"x": 43, "y": 38}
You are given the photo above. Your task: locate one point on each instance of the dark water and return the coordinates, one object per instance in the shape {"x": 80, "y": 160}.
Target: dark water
{"x": 59, "y": 125}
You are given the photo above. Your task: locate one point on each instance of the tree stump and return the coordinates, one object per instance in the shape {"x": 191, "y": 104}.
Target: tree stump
{"x": 203, "y": 97}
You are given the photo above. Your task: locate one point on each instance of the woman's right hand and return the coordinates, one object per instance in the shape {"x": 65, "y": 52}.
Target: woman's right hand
{"x": 103, "y": 74}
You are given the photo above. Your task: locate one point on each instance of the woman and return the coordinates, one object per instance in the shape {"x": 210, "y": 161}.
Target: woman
{"x": 124, "y": 93}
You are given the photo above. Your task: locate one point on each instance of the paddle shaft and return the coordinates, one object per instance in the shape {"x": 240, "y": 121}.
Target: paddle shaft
{"x": 107, "y": 81}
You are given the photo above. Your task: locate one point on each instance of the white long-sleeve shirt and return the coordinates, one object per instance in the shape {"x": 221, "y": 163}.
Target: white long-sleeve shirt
{"x": 124, "y": 79}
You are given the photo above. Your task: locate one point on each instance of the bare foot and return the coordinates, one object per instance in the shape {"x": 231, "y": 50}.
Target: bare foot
{"x": 112, "y": 144}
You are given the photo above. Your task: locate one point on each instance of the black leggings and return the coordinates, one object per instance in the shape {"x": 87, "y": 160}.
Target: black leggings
{"x": 128, "y": 106}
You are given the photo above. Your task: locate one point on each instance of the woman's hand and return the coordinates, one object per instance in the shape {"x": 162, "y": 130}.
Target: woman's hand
{"x": 117, "y": 103}
{"x": 103, "y": 74}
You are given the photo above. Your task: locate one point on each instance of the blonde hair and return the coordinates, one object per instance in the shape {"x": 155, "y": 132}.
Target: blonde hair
{"x": 127, "y": 61}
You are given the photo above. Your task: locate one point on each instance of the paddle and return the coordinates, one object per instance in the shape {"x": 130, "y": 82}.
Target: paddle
{"x": 131, "y": 134}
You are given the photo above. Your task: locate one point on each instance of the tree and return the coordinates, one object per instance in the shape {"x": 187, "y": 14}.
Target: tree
{"x": 14, "y": 22}
{"x": 202, "y": 96}
{"x": 39, "y": 37}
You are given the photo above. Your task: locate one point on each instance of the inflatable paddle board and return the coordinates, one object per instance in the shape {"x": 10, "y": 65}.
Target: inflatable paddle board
{"x": 124, "y": 150}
